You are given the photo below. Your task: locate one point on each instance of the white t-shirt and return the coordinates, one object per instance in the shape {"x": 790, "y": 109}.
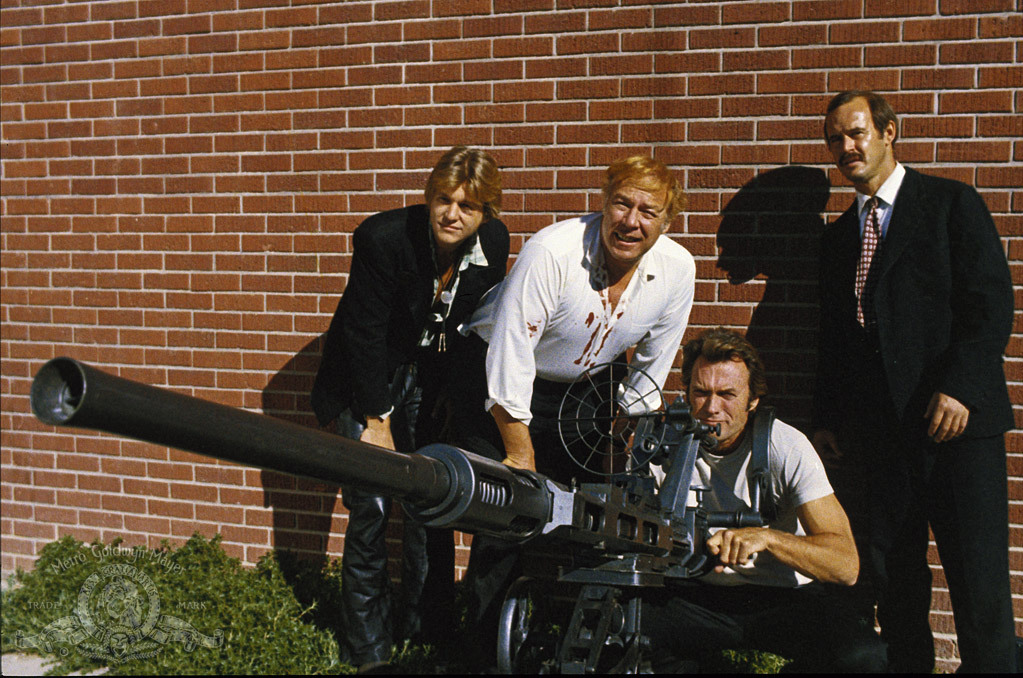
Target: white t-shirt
{"x": 797, "y": 477}
{"x": 550, "y": 317}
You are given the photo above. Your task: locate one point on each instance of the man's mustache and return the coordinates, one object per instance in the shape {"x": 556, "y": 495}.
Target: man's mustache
{"x": 850, "y": 156}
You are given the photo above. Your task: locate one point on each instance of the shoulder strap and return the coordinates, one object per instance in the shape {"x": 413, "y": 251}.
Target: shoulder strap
{"x": 759, "y": 471}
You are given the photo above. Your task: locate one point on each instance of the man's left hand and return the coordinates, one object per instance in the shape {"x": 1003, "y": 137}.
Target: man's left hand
{"x": 736, "y": 547}
{"x": 948, "y": 417}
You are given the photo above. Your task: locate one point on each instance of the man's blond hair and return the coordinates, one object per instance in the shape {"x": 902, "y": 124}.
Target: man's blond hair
{"x": 648, "y": 174}
{"x": 476, "y": 170}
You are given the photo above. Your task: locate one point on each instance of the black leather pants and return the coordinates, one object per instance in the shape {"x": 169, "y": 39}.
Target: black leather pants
{"x": 365, "y": 584}
{"x": 366, "y": 599}
{"x": 365, "y": 594}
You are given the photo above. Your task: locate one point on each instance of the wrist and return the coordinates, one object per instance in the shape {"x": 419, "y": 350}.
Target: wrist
{"x": 378, "y": 422}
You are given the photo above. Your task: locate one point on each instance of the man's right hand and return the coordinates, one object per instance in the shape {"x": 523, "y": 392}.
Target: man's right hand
{"x": 826, "y": 445}
{"x": 378, "y": 432}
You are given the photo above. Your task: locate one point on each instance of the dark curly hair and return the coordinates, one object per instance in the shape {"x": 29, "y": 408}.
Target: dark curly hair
{"x": 718, "y": 345}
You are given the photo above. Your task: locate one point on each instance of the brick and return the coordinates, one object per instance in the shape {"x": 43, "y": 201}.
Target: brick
{"x": 974, "y": 6}
{"x": 974, "y": 151}
{"x": 802, "y": 35}
{"x": 662, "y": 86}
{"x": 907, "y": 8}
{"x": 738, "y": 83}
{"x": 564, "y": 67}
{"x": 977, "y": 51}
{"x": 795, "y": 82}
{"x": 1000, "y": 76}
{"x": 938, "y": 78}
{"x": 879, "y": 80}
{"x": 1000, "y": 125}
{"x": 937, "y": 126}
{"x": 901, "y": 55}
{"x": 866, "y": 32}
{"x": 975, "y": 102}
{"x": 758, "y": 60}
{"x": 826, "y": 57}
{"x": 1010, "y": 26}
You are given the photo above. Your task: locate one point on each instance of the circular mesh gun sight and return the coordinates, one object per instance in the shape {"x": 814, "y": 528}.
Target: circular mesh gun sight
{"x": 607, "y": 419}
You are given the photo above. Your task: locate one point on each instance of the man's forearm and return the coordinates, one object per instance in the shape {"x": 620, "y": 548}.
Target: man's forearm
{"x": 826, "y": 553}
{"x": 825, "y": 557}
{"x": 518, "y": 446}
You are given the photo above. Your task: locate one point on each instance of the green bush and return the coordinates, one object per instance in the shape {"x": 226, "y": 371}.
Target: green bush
{"x": 250, "y": 619}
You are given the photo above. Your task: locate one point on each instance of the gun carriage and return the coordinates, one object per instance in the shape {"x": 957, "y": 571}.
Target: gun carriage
{"x": 612, "y": 539}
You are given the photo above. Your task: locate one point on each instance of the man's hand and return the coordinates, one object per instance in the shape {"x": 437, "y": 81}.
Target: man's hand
{"x": 826, "y": 445}
{"x": 378, "y": 433}
{"x": 519, "y": 461}
{"x": 736, "y": 547}
{"x": 948, "y": 417}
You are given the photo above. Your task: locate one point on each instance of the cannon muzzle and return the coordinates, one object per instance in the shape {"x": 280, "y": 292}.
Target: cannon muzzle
{"x": 441, "y": 485}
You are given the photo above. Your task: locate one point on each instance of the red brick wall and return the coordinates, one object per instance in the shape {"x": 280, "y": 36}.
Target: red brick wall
{"x": 180, "y": 179}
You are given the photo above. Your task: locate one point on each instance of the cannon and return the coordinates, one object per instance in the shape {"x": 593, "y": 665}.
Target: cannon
{"x": 610, "y": 540}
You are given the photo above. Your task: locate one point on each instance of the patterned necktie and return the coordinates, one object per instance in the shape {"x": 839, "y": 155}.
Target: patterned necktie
{"x": 871, "y": 237}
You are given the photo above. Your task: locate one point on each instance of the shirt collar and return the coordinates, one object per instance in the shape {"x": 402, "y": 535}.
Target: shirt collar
{"x": 593, "y": 257}
{"x": 889, "y": 189}
{"x": 475, "y": 256}
{"x": 471, "y": 256}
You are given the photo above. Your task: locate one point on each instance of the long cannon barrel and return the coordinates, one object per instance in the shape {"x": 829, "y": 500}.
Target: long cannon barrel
{"x": 441, "y": 485}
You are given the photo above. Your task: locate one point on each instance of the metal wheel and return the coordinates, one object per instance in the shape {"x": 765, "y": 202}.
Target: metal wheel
{"x": 525, "y": 641}
{"x": 607, "y": 419}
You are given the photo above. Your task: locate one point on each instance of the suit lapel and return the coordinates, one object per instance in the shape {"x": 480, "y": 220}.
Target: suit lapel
{"x": 905, "y": 220}
{"x": 419, "y": 237}
{"x": 847, "y": 252}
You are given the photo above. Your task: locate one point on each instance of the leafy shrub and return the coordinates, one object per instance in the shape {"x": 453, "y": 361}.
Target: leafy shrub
{"x": 250, "y": 620}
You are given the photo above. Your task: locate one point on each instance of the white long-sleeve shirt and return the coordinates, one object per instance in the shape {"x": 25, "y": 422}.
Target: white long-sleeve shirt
{"x": 550, "y": 317}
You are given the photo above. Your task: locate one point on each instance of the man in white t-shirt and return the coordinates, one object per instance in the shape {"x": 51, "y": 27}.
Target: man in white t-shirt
{"x": 770, "y": 588}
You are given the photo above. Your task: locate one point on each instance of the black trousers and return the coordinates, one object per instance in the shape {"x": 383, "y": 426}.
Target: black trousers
{"x": 964, "y": 500}
{"x": 904, "y": 483}
{"x": 428, "y": 558}
{"x": 810, "y": 625}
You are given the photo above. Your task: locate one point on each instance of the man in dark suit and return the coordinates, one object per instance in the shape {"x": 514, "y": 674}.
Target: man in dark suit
{"x": 388, "y": 363}
{"x": 915, "y": 316}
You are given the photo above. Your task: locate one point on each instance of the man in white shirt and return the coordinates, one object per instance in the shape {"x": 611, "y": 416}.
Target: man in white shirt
{"x": 582, "y": 292}
{"x": 767, "y": 591}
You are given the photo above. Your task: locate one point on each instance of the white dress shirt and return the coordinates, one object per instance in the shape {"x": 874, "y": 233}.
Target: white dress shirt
{"x": 885, "y": 200}
{"x": 550, "y": 318}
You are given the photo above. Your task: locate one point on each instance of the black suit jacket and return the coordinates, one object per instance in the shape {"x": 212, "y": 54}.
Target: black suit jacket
{"x": 386, "y": 304}
{"x": 943, "y": 301}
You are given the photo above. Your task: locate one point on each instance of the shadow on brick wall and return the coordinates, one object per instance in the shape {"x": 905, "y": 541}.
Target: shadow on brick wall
{"x": 769, "y": 236}
{"x": 302, "y": 509}
{"x": 303, "y": 512}
{"x": 770, "y": 233}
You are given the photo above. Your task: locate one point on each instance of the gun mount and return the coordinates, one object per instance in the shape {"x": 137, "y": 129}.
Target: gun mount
{"x": 617, "y": 537}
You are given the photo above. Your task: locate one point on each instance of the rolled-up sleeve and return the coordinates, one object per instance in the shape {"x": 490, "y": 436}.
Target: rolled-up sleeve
{"x": 521, "y": 311}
